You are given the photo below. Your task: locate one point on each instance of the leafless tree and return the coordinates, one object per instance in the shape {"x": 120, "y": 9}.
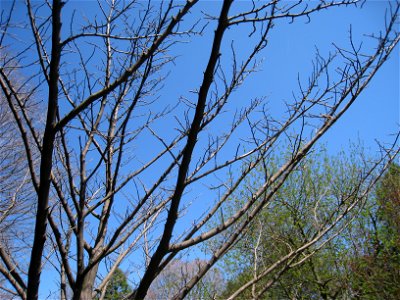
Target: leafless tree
{"x": 121, "y": 160}
{"x": 16, "y": 201}
{"x": 175, "y": 276}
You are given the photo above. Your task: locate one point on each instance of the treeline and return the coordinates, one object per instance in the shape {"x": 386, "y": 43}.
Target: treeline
{"x": 361, "y": 260}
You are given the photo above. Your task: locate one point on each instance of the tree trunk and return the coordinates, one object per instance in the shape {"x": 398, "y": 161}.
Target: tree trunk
{"x": 84, "y": 289}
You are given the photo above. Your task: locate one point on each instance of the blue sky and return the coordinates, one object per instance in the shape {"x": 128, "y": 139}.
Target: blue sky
{"x": 289, "y": 53}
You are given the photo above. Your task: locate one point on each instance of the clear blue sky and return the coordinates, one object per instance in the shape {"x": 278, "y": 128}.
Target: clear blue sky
{"x": 289, "y": 53}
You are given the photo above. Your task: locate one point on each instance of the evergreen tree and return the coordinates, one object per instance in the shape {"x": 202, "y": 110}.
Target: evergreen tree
{"x": 118, "y": 286}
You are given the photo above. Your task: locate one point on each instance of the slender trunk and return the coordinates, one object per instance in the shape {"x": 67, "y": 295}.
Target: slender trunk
{"x": 46, "y": 159}
{"x": 163, "y": 246}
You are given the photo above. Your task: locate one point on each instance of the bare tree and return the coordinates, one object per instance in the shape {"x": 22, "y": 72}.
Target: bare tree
{"x": 175, "y": 276}
{"x": 121, "y": 162}
{"x": 16, "y": 201}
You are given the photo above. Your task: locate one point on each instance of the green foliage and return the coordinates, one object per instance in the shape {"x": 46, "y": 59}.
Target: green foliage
{"x": 388, "y": 196}
{"x": 118, "y": 286}
{"x": 376, "y": 271}
{"x": 361, "y": 262}
{"x": 313, "y": 195}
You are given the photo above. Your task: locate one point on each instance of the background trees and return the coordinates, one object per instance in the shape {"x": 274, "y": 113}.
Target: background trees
{"x": 178, "y": 273}
{"x": 311, "y": 196}
{"x": 117, "y": 287}
{"x": 375, "y": 267}
{"x": 132, "y": 173}
{"x": 359, "y": 261}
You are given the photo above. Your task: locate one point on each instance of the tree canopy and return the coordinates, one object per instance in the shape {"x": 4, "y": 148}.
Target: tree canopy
{"x": 140, "y": 136}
